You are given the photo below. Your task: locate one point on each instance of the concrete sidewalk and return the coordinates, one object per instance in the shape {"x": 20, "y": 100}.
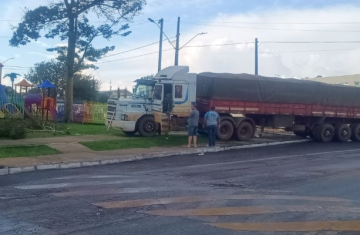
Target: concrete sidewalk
{"x": 84, "y": 158}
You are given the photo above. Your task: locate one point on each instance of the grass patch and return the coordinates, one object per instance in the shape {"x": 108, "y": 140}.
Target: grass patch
{"x": 79, "y": 129}
{"x": 139, "y": 142}
{"x": 26, "y": 151}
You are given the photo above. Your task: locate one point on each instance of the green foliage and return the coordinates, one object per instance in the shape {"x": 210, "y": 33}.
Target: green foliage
{"x": 61, "y": 17}
{"x": 26, "y": 151}
{"x": 12, "y": 128}
{"x": 103, "y": 98}
{"x": 67, "y": 20}
{"x": 85, "y": 86}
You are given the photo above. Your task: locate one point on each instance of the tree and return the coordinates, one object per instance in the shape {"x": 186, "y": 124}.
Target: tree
{"x": 85, "y": 86}
{"x": 67, "y": 19}
{"x": 103, "y": 98}
{"x": 12, "y": 77}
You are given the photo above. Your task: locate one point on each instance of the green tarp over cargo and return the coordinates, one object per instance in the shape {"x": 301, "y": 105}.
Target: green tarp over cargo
{"x": 252, "y": 88}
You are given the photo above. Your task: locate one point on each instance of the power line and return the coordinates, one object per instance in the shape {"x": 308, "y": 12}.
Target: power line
{"x": 277, "y": 29}
{"x": 310, "y": 42}
{"x": 15, "y": 66}
{"x": 226, "y": 44}
{"x": 133, "y": 56}
{"x": 274, "y": 52}
{"x": 284, "y": 23}
{"x": 299, "y": 42}
{"x": 264, "y": 52}
{"x": 137, "y": 48}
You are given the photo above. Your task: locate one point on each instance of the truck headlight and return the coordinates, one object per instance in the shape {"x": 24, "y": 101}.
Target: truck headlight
{"x": 124, "y": 117}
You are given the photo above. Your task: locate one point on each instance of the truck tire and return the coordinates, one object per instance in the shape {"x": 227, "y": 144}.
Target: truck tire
{"x": 244, "y": 131}
{"x": 147, "y": 127}
{"x": 315, "y": 133}
{"x": 355, "y": 132}
{"x": 226, "y": 130}
{"x": 129, "y": 133}
{"x": 325, "y": 133}
{"x": 342, "y": 132}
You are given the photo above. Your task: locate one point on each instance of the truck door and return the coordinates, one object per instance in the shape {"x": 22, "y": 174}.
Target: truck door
{"x": 158, "y": 98}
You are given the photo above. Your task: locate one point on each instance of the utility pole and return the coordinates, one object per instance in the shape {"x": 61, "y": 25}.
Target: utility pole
{"x": 177, "y": 43}
{"x": 256, "y": 56}
{"x": 161, "y": 21}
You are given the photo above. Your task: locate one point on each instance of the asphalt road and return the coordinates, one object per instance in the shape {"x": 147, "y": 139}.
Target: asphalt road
{"x": 307, "y": 188}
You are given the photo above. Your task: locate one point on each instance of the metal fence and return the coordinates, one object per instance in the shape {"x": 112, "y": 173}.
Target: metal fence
{"x": 86, "y": 112}
{"x": 12, "y": 105}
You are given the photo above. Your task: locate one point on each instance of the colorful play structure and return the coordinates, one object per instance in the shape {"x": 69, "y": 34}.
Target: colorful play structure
{"x": 44, "y": 104}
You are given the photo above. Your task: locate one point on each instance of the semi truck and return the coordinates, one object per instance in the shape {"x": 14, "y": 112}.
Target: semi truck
{"x": 322, "y": 111}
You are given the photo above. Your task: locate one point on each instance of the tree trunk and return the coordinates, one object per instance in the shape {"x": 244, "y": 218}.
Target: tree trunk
{"x": 70, "y": 71}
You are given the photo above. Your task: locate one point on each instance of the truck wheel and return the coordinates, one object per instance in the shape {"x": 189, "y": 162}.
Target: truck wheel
{"x": 147, "y": 127}
{"x": 325, "y": 133}
{"x": 342, "y": 132}
{"x": 316, "y": 133}
{"x": 244, "y": 131}
{"x": 226, "y": 130}
{"x": 355, "y": 132}
{"x": 129, "y": 133}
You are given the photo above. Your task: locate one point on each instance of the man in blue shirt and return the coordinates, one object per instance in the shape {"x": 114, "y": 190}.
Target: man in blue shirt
{"x": 212, "y": 122}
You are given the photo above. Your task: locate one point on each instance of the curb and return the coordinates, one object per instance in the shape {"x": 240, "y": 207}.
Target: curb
{"x": 136, "y": 157}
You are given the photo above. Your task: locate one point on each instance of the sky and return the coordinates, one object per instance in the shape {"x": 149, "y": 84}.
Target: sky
{"x": 275, "y": 23}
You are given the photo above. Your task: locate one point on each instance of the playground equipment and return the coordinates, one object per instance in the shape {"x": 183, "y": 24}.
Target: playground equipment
{"x": 24, "y": 85}
{"x": 48, "y": 102}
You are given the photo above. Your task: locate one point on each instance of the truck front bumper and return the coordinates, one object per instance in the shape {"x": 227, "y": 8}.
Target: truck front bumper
{"x": 123, "y": 125}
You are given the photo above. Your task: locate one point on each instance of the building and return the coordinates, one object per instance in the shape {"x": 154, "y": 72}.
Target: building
{"x": 350, "y": 80}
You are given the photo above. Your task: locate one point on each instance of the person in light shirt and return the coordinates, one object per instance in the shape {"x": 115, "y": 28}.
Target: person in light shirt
{"x": 212, "y": 122}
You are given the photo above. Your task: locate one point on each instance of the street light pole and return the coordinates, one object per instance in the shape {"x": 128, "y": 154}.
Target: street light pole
{"x": 161, "y": 21}
{"x": 1, "y": 66}
{"x": 256, "y": 57}
{"x": 177, "y": 43}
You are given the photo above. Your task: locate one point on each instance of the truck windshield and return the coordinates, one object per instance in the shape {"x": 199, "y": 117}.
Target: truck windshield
{"x": 142, "y": 91}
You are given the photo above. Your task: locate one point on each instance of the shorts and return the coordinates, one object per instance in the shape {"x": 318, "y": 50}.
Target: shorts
{"x": 192, "y": 130}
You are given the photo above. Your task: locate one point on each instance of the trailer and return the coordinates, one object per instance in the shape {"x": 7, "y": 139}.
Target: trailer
{"x": 322, "y": 111}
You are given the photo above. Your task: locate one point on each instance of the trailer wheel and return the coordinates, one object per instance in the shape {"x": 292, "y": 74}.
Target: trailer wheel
{"x": 226, "y": 130}
{"x": 244, "y": 131}
{"x": 325, "y": 133}
{"x": 129, "y": 133}
{"x": 342, "y": 132}
{"x": 355, "y": 132}
{"x": 147, "y": 126}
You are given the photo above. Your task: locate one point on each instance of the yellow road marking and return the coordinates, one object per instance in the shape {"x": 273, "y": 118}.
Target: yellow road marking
{"x": 293, "y": 226}
{"x": 249, "y": 210}
{"x": 190, "y": 199}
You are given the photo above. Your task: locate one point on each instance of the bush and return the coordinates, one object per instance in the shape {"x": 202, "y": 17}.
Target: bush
{"x": 12, "y": 128}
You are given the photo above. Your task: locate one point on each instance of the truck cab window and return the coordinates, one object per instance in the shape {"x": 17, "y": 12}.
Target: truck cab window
{"x": 178, "y": 92}
{"x": 158, "y": 93}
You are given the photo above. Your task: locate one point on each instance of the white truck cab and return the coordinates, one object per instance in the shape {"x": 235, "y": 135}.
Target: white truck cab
{"x": 128, "y": 112}
{"x": 171, "y": 87}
